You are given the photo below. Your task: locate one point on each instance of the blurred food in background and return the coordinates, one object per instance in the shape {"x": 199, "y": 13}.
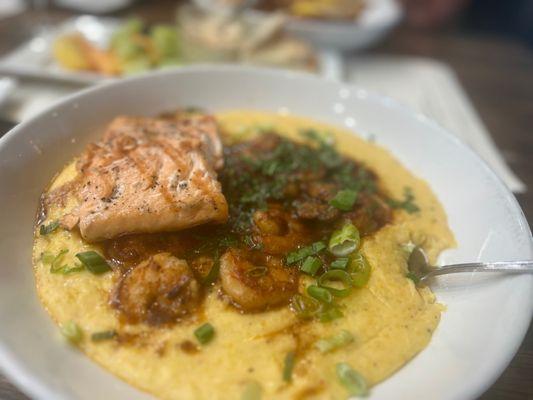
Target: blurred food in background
{"x": 132, "y": 48}
{"x": 198, "y": 36}
{"x": 215, "y": 37}
{"x": 317, "y": 9}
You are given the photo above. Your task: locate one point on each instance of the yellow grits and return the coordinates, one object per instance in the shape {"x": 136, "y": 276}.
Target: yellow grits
{"x": 391, "y": 319}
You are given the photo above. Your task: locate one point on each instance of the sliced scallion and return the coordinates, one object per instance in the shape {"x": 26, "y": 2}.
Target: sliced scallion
{"x": 212, "y": 276}
{"x": 257, "y": 272}
{"x": 304, "y": 307}
{"x": 352, "y": 380}
{"x": 288, "y": 366}
{"x": 344, "y": 241}
{"x": 359, "y": 270}
{"x": 72, "y": 332}
{"x": 47, "y": 257}
{"x": 66, "y": 270}
{"x": 252, "y": 391}
{"x": 46, "y": 229}
{"x": 336, "y": 275}
{"x": 330, "y": 314}
{"x": 304, "y": 252}
{"x": 56, "y": 266}
{"x": 311, "y": 265}
{"x": 340, "y": 263}
{"x": 337, "y": 341}
{"x": 94, "y": 262}
{"x": 344, "y": 199}
{"x": 320, "y": 294}
{"x": 103, "y": 335}
{"x": 205, "y": 333}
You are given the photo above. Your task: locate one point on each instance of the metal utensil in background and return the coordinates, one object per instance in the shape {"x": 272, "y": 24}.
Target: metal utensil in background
{"x": 420, "y": 270}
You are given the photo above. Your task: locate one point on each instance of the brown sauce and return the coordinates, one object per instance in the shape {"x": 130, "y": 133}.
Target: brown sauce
{"x": 279, "y": 195}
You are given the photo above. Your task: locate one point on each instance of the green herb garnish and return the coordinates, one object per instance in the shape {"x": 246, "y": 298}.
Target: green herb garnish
{"x": 359, "y": 269}
{"x": 341, "y": 339}
{"x": 311, "y": 265}
{"x": 257, "y": 272}
{"x": 305, "y": 252}
{"x": 407, "y": 203}
{"x": 336, "y": 275}
{"x": 94, "y": 262}
{"x": 57, "y": 268}
{"x": 344, "y": 199}
{"x": 330, "y": 314}
{"x": 72, "y": 332}
{"x": 304, "y": 307}
{"x": 344, "y": 241}
{"x": 205, "y": 333}
{"x": 252, "y": 391}
{"x": 351, "y": 380}
{"x": 340, "y": 263}
{"x": 321, "y": 294}
{"x": 46, "y": 229}
{"x": 288, "y": 366}
{"x": 103, "y": 335}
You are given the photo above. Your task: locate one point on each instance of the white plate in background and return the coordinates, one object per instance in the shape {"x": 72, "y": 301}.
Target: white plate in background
{"x": 34, "y": 58}
{"x": 486, "y": 317}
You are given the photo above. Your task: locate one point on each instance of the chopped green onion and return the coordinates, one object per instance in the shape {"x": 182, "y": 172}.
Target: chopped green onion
{"x": 407, "y": 203}
{"x": 344, "y": 199}
{"x": 46, "y": 229}
{"x": 72, "y": 332}
{"x": 205, "y": 333}
{"x": 344, "y": 241}
{"x": 257, "y": 272}
{"x": 320, "y": 294}
{"x": 65, "y": 269}
{"x": 318, "y": 247}
{"x": 288, "y": 366}
{"x": 304, "y": 307}
{"x": 413, "y": 277}
{"x": 340, "y": 263}
{"x": 212, "y": 276}
{"x": 94, "y": 262}
{"x": 47, "y": 257}
{"x": 336, "y": 275}
{"x": 56, "y": 263}
{"x": 352, "y": 380}
{"x": 337, "y": 341}
{"x": 311, "y": 265}
{"x": 304, "y": 252}
{"x": 252, "y": 391}
{"x": 103, "y": 335}
{"x": 330, "y": 314}
{"x": 359, "y": 270}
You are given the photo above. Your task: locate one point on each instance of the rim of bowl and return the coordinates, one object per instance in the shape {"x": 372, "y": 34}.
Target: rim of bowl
{"x": 32, "y": 384}
{"x": 391, "y": 18}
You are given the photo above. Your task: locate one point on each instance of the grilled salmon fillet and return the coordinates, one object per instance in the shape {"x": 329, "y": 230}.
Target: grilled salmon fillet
{"x": 150, "y": 175}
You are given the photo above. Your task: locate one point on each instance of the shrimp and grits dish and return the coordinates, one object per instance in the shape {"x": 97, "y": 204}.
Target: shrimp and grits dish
{"x": 238, "y": 255}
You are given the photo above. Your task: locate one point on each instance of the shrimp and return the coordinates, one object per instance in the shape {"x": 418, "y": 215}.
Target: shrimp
{"x": 161, "y": 289}
{"x": 256, "y": 282}
{"x": 278, "y": 232}
{"x": 370, "y": 215}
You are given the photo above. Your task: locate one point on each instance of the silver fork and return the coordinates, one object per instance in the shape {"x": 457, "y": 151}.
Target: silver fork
{"x": 420, "y": 269}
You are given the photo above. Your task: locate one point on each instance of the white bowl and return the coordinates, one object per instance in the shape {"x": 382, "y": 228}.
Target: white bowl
{"x": 376, "y": 20}
{"x": 487, "y": 315}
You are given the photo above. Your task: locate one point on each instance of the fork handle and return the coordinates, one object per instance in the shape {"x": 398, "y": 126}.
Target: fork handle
{"x": 514, "y": 267}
